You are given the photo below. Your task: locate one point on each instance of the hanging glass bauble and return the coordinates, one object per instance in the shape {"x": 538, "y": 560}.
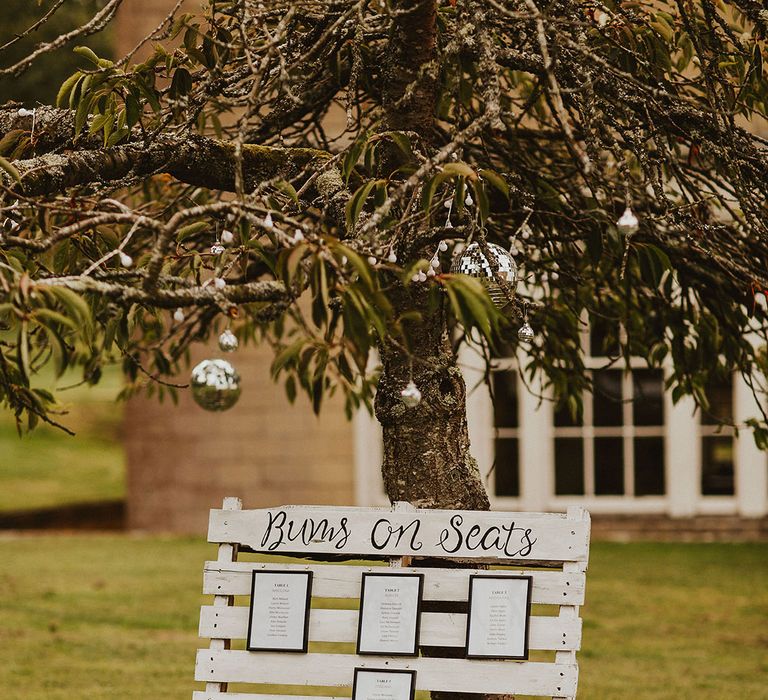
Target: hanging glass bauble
{"x": 472, "y": 262}
{"x": 628, "y": 223}
{"x": 525, "y": 333}
{"x": 228, "y": 341}
{"x": 215, "y": 385}
{"x": 411, "y": 396}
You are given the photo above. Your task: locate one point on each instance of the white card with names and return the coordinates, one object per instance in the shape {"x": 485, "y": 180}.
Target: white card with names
{"x": 279, "y": 613}
{"x": 383, "y": 684}
{"x": 390, "y": 606}
{"x": 499, "y": 616}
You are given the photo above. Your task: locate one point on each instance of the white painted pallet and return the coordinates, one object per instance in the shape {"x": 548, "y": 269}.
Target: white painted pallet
{"x": 526, "y": 541}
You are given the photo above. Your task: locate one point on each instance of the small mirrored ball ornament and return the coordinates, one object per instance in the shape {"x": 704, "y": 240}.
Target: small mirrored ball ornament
{"x": 628, "y": 223}
{"x": 215, "y": 385}
{"x": 472, "y": 262}
{"x": 410, "y": 396}
{"x": 228, "y": 341}
{"x": 217, "y": 248}
{"x": 525, "y": 333}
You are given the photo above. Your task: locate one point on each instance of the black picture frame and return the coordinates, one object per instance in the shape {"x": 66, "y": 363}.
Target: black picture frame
{"x": 369, "y": 575}
{"x": 524, "y": 656}
{"x": 385, "y": 671}
{"x": 305, "y": 636}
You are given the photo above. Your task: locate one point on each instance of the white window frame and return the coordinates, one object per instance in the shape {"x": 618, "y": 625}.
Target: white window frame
{"x": 682, "y": 452}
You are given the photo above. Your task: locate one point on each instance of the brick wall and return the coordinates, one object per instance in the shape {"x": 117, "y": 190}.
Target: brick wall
{"x": 182, "y": 460}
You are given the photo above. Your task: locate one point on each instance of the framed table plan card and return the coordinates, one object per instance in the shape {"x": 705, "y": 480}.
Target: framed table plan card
{"x": 390, "y": 614}
{"x": 383, "y": 684}
{"x": 278, "y": 619}
{"x": 499, "y": 617}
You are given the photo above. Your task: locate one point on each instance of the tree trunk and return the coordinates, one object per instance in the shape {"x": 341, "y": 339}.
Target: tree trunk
{"x": 426, "y": 447}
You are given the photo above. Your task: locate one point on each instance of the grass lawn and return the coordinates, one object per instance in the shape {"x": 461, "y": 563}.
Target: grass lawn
{"x": 48, "y": 467}
{"x": 102, "y": 617}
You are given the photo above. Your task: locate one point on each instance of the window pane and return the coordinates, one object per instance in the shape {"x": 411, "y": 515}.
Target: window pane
{"x": 606, "y": 399}
{"x": 569, "y": 467}
{"x": 603, "y": 337}
{"x": 717, "y": 466}
{"x": 649, "y": 466}
{"x": 720, "y": 395}
{"x": 505, "y": 399}
{"x": 506, "y": 467}
{"x": 609, "y": 466}
{"x": 648, "y": 395}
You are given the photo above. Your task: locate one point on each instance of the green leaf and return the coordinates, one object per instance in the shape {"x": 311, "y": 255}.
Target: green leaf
{"x": 352, "y": 156}
{"x": 481, "y": 197}
{"x": 459, "y": 168}
{"x": 286, "y": 356}
{"x": 73, "y": 303}
{"x": 496, "y": 180}
{"x": 191, "y": 229}
{"x": 85, "y": 52}
{"x": 361, "y": 267}
{"x": 9, "y": 141}
{"x": 288, "y": 189}
{"x": 290, "y": 389}
{"x": 23, "y": 351}
{"x": 98, "y": 122}
{"x": 51, "y": 316}
{"x": 357, "y": 201}
{"x": 403, "y": 142}
{"x": 653, "y": 263}
{"x": 10, "y": 169}
{"x": 132, "y": 111}
{"x": 83, "y": 110}
{"x": 66, "y": 88}
{"x": 181, "y": 84}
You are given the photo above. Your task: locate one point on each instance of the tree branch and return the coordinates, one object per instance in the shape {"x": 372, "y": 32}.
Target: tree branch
{"x": 208, "y": 295}
{"x": 195, "y": 160}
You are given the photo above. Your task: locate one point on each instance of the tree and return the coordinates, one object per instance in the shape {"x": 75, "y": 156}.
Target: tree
{"x": 158, "y": 201}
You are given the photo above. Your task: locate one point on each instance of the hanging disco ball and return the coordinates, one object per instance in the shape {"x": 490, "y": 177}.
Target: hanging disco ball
{"x": 215, "y": 385}
{"x": 525, "y": 333}
{"x": 472, "y": 262}
{"x": 228, "y": 341}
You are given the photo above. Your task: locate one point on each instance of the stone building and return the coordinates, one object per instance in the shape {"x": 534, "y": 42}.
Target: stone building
{"x": 643, "y": 466}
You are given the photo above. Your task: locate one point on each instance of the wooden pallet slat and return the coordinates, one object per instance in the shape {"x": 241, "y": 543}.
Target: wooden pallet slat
{"x": 481, "y": 536}
{"x": 343, "y": 581}
{"x": 456, "y": 675}
{"x": 437, "y": 629}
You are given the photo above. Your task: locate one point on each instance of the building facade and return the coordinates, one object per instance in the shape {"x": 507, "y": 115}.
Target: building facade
{"x": 633, "y": 451}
